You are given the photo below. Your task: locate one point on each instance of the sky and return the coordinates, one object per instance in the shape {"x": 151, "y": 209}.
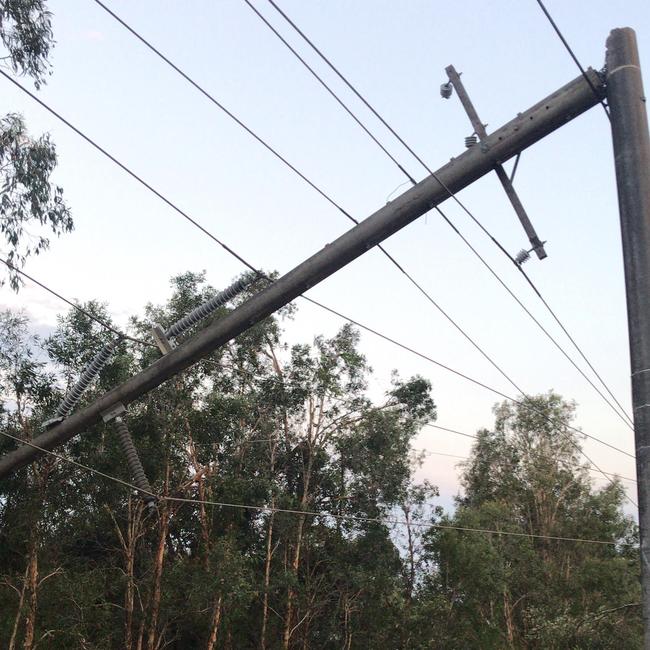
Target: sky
{"x": 127, "y": 244}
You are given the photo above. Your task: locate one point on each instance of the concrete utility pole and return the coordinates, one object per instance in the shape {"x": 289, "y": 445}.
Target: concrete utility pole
{"x": 527, "y": 128}
{"x": 506, "y": 182}
{"x": 631, "y": 141}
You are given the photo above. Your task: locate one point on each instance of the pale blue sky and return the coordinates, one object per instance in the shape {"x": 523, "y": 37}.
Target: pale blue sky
{"x": 127, "y": 243}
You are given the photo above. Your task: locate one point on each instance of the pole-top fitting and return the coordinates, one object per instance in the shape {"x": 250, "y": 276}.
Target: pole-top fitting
{"x": 113, "y": 412}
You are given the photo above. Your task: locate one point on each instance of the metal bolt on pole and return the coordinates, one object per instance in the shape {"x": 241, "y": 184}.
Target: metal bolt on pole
{"x": 632, "y": 161}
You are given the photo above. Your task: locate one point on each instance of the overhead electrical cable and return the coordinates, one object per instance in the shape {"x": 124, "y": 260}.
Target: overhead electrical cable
{"x": 310, "y": 513}
{"x": 472, "y": 216}
{"x": 131, "y": 173}
{"x": 313, "y": 301}
{"x": 417, "y": 285}
{"x": 569, "y": 49}
{"x": 429, "y": 452}
{"x": 326, "y": 196}
{"x": 78, "y": 307}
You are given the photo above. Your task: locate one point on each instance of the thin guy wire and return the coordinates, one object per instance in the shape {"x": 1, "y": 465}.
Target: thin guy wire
{"x": 573, "y": 56}
{"x": 624, "y": 415}
{"x": 261, "y": 274}
{"x": 268, "y": 509}
{"x": 80, "y": 309}
{"x": 311, "y": 183}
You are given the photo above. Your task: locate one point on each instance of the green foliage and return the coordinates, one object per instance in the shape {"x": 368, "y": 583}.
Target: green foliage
{"x": 534, "y": 592}
{"x": 83, "y": 564}
{"x": 26, "y": 33}
{"x": 28, "y": 198}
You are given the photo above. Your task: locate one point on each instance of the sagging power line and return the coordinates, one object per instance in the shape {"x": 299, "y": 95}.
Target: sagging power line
{"x": 623, "y": 415}
{"x": 402, "y": 211}
{"x": 154, "y": 497}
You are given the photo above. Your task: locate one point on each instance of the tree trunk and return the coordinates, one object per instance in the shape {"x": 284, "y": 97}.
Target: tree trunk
{"x": 32, "y": 588}
{"x": 295, "y": 563}
{"x": 19, "y": 612}
{"x": 267, "y": 578}
{"x": 154, "y": 604}
{"x": 214, "y": 625}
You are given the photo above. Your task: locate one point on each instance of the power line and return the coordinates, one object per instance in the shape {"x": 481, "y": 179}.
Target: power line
{"x": 326, "y": 196}
{"x": 624, "y": 415}
{"x": 476, "y": 382}
{"x": 573, "y": 56}
{"x": 458, "y": 433}
{"x": 411, "y": 279}
{"x": 625, "y": 418}
{"x": 429, "y": 452}
{"x": 578, "y": 348}
{"x": 311, "y": 300}
{"x": 310, "y": 513}
{"x": 78, "y": 307}
{"x": 131, "y": 173}
{"x": 521, "y": 403}
{"x": 330, "y": 91}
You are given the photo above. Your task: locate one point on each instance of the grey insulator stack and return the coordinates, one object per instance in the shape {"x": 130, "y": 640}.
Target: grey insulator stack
{"x": 204, "y": 310}
{"x": 89, "y": 373}
{"x": 133, "y": 461}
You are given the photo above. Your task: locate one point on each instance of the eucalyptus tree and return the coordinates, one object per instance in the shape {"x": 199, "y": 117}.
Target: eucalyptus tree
{"x": 277, "y": 473}
{"x": 31, "y": 206}
{"x": 527, "y": 476}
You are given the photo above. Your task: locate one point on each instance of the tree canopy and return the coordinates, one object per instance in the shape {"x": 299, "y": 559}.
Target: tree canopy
{"x": 28, "y": 198}
{"x": 282, "y": 482}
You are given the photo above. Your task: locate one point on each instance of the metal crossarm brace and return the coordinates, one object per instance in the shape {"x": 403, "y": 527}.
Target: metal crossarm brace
{"x": 479, "y": 129}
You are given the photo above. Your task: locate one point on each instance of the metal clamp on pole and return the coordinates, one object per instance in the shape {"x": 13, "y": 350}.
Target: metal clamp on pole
{"x": 159, "y": 336}
{"x": 117, "y": 413}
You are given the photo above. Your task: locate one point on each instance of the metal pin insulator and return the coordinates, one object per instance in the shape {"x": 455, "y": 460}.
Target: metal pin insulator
{"x": 471, "y": 140}
{"x": 522, "y": 256}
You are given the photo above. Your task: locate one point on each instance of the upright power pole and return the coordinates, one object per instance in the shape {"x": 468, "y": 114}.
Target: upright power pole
{"x": 632, "y": 161}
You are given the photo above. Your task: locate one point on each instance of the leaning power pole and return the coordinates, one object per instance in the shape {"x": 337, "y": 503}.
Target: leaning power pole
{"x": 632, "y": 161}
{"x": 624, "y": 91}
{"x": 524, "y": 130}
